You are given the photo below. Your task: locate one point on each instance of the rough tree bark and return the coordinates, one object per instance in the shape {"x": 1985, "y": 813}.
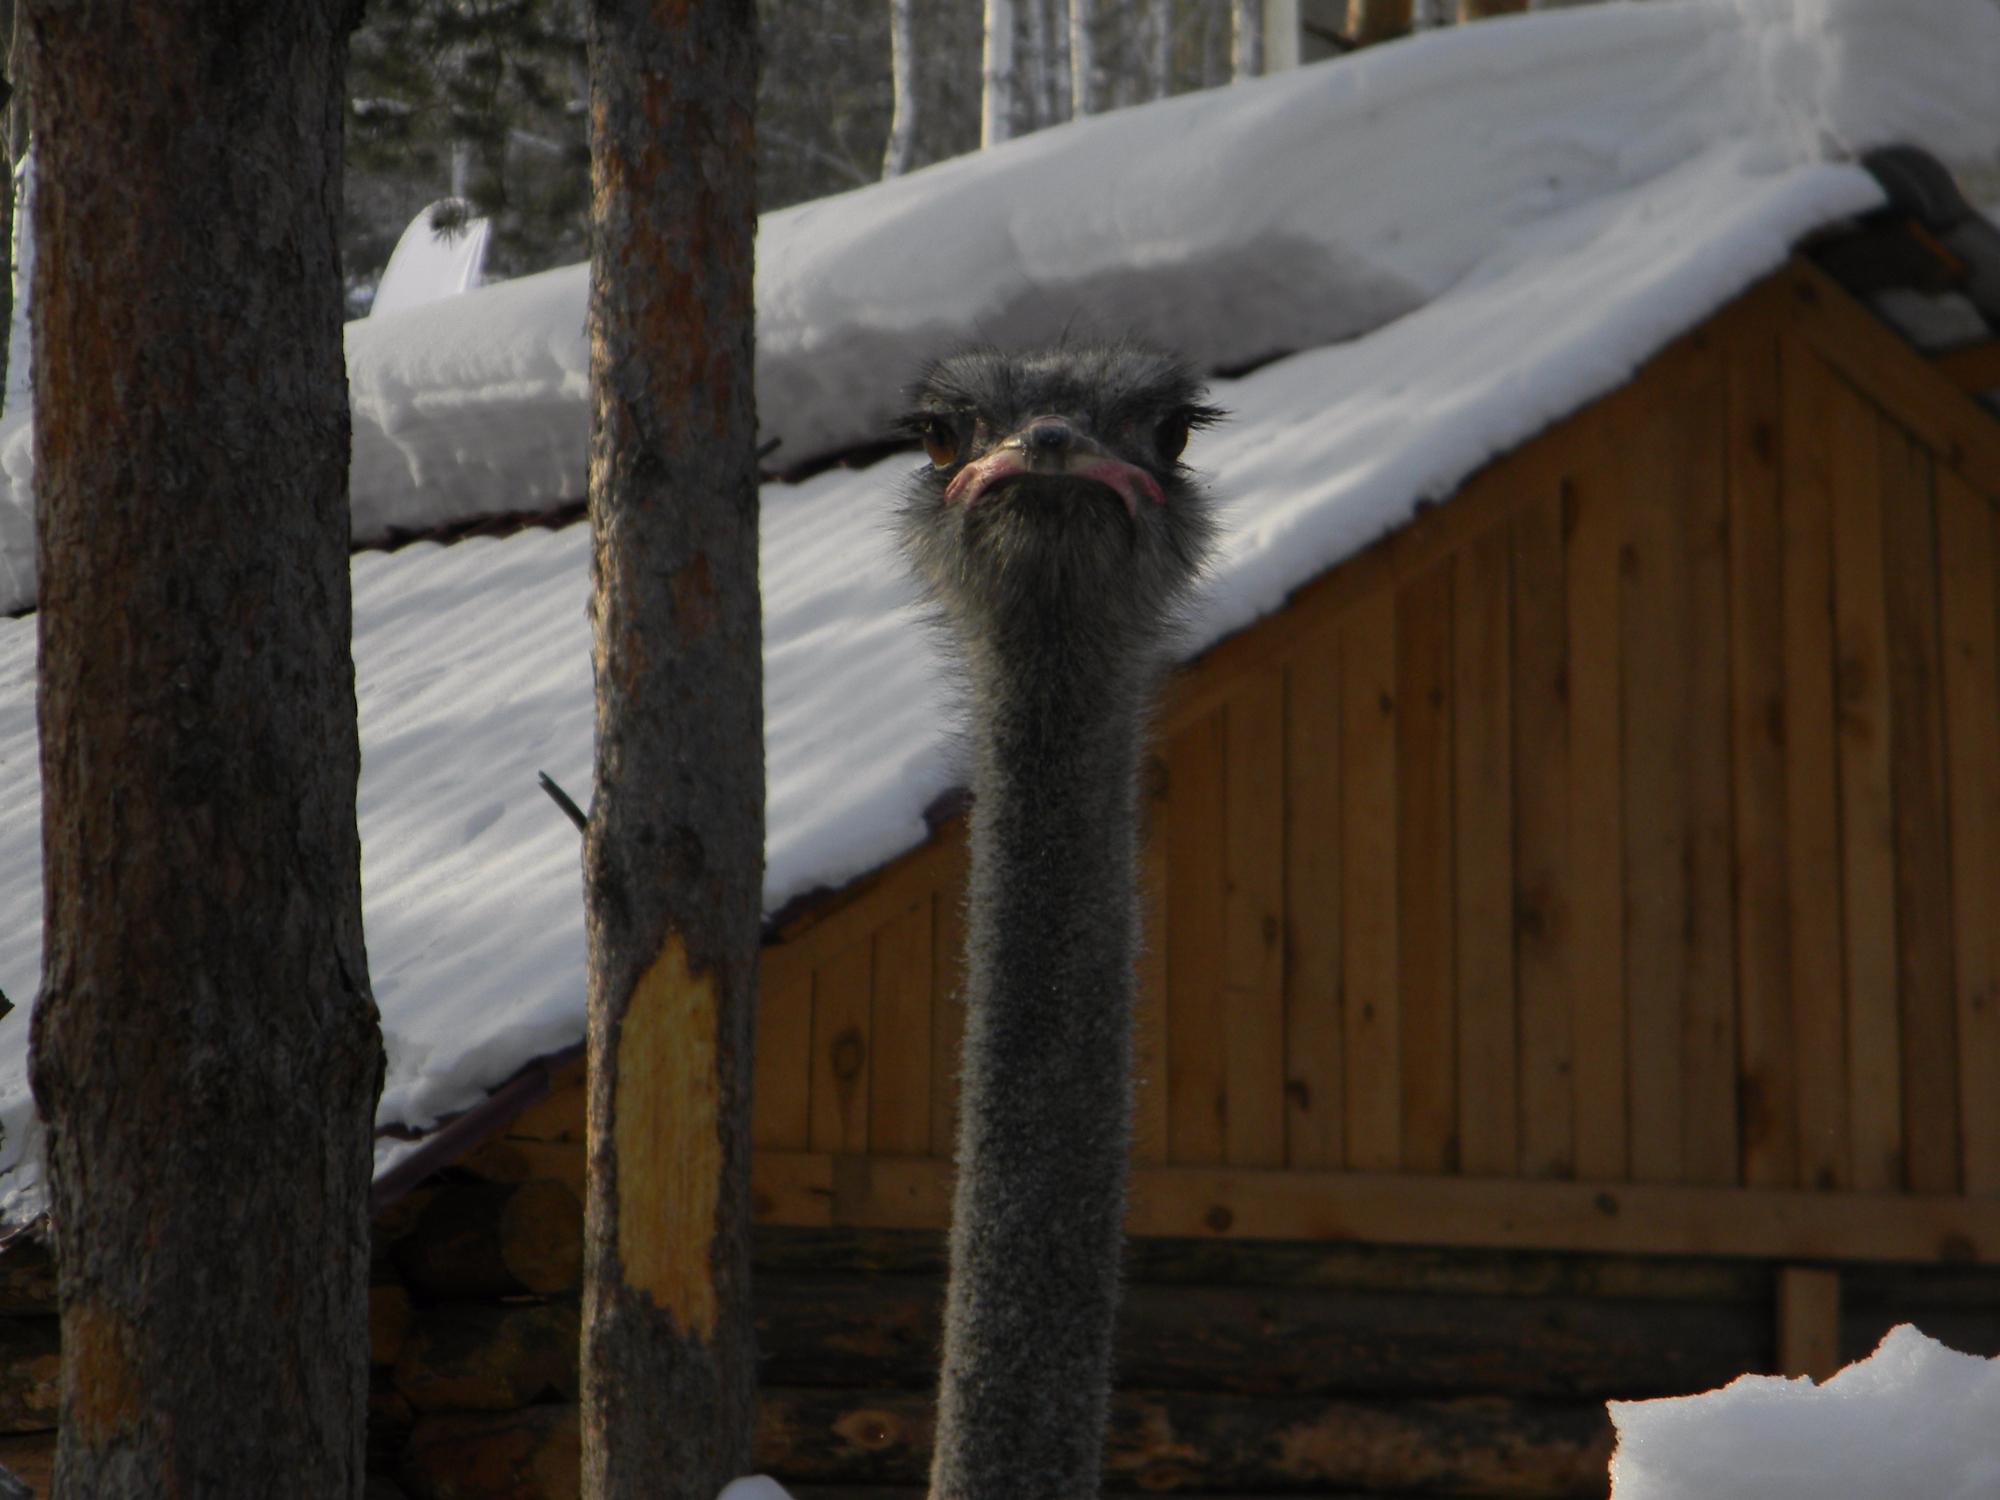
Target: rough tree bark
{"x": 673, "y": 857}
{"x": 996, "y": 101}
{"x": 205, "y": 1052}
{"x": 903, "y": 81}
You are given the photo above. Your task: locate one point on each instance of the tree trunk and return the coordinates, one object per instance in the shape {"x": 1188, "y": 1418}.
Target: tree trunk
{"x": 1281, "y": 35}
{"x": 13, "y": 142}
{"x": 673, "y": 858}
{"x": 1372, "y": 21}
{"x": 205, "y": 1052}
{"x": 996, "y": 105}
{"x": 902, "y": 73}
{"x": 1083, "y": 59}
{"x": 1479, "y": 10}
{"x": 1246, "y": 50}
{"x": 1159, "y": 48}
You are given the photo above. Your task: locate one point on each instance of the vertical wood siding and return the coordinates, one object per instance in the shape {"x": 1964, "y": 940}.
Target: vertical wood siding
{"x": 1634, "y": 817}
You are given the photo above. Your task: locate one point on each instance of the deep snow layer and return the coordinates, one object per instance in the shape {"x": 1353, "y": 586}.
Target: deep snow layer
{"x": 1913, "y": 1421}
{"x": 1232, "y": 224}
{"x": 1558, "y": 195}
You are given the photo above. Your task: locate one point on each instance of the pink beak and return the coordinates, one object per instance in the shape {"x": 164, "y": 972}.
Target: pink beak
{"x": 1127, "y": 481}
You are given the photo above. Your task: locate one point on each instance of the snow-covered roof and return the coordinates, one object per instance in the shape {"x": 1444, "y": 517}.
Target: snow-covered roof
{"x": 1512, "y": 216}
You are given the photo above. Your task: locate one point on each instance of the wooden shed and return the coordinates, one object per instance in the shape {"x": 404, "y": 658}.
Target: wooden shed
{"x": 1574, "y": 967}
{"x": 1608, "y": 861}
{"x": 1574, "y": 972}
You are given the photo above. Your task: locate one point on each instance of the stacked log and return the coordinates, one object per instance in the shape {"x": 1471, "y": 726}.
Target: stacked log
{"x": 474, "y": 1328}
{"x": 30, "y": 1361}
{"x": 1245, "y": 1369}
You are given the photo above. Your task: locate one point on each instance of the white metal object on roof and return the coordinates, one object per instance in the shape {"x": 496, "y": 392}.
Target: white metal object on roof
{"x": 431, "y": 263}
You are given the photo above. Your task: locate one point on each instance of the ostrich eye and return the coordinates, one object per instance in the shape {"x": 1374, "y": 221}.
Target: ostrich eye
{"x": 940, "y": 441}
{"x": 1171, "y": 436}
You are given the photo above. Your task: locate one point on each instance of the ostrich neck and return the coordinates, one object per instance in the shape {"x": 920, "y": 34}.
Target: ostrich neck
{"x": 1044, "y": 1123}
{"x": 1054, "y": 813}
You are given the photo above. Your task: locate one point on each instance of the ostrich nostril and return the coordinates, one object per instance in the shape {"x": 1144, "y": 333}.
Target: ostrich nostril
{"x": 1050, "y": 436}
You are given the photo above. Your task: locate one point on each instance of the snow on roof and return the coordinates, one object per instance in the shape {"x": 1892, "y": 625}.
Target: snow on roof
{"x": 1522, "y": 211}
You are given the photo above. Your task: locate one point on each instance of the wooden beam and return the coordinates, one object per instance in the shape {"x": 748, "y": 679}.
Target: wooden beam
{"x": 1808, "y": 1321}
{"x": 1396, "y": 1209}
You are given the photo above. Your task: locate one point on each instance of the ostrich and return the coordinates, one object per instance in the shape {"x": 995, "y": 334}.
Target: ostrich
{"x": 1057, "y": 533}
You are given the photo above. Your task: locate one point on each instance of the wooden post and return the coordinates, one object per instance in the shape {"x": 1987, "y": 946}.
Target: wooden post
{"x": 1808, "y": 1321}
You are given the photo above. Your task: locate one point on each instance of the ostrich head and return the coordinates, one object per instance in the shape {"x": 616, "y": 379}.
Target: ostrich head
{"x": 1055, "y": 512}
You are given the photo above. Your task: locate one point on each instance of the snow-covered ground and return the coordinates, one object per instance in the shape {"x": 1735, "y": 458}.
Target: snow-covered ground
{"x": 1516, "y": 214}
{"x": 1913, "y": 1421}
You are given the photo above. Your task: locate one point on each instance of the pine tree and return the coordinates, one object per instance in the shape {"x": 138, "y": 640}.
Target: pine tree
{"x": 674, "y": 852}
{"x": 205, "y": 1052}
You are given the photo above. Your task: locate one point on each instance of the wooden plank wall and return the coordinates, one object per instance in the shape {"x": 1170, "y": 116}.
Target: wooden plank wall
{"x": 1635, "y": 817}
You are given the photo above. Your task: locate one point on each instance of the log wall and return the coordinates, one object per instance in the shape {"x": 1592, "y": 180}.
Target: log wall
{"x": 1243, "y": 1368}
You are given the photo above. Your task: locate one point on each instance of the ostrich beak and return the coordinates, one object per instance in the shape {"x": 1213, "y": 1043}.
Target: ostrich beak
{"x": 1050, "y": 447}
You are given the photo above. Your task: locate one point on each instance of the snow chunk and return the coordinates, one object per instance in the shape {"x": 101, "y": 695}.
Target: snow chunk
{"x": 756, "y": 1487}
{"x": 1913, "y": 1421}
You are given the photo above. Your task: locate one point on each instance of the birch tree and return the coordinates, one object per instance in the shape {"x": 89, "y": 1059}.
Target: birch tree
{"x": 673, "y": 855}
{"x": 1246, "y": 50}
{"x": 1083, "y": 91}
{"x": 1159, "y": 48}
{"x": 996, "y": 106}
{"x": 903, "y": 89}
{"x": 1281, "y": 35}
{"x": 205, "y": 1051}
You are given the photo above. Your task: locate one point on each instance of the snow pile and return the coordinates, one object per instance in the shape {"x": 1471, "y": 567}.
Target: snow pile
{"x": 1536, "y": 205}
{"x": 1285, "y": 214}
{"x": 1913, "y": 1421}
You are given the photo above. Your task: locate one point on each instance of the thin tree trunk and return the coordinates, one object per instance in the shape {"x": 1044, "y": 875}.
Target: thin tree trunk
{"x": 1083, "y": 58}
{"x": 13, "y": 142}
{"x": 1056, "y": 105}
{"x": 1159, "y": 48}
{"x": 205, "y": 1051}
{"x": 1371, "y": 21}
{"x": 903, "y": 79}
{"x": 996, "y": 105}
{"x": 1281, "y": 35}
{"x": 1246, "y": 49}
{"x": 673, "y": 857}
